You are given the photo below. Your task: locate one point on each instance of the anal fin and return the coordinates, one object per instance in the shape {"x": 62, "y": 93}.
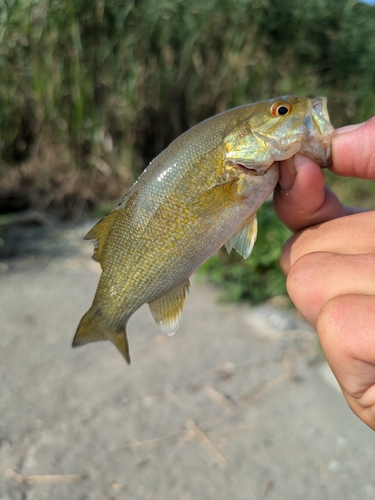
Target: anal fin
{"x": 167, "y": 310}
{"x": 244, "y": 239}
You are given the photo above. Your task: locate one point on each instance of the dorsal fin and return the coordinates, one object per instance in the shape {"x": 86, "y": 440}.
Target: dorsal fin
{"x": 98, "y": 234}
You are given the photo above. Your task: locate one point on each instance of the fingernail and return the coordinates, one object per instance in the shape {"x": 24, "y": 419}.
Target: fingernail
{"x": 287, "y": 174}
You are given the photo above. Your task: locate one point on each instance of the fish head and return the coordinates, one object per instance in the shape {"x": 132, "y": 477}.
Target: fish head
{"x": 277, "y": 129}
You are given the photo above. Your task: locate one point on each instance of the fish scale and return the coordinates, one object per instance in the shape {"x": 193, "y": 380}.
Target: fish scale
{"x": 198, "y": 194}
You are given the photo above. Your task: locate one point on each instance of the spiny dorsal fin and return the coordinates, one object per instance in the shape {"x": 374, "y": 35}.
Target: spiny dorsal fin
{"x": 98, "y": 234}
{"x": 167, "y": 310}
{"x": 244, "y": 239}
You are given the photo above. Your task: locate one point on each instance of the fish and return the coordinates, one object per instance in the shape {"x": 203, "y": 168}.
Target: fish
{"x": 200, "y": 193}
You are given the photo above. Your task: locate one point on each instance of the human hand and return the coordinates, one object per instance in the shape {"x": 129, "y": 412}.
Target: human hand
{"x": 330, "y": 265}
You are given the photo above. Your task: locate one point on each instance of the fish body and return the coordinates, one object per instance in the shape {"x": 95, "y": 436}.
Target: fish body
{"x": 200, "y": 193}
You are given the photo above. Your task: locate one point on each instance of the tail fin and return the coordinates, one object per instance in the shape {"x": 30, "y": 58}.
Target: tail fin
{"x": 92, "y": 329}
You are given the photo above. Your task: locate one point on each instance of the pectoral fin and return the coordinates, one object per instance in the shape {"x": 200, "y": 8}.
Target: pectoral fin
{"x": 167, "y": 310}
{"x": 244, "y": 239}
{"x": 216, "y": 199}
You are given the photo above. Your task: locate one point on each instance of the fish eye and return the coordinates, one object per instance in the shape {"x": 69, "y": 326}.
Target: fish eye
{"x": 280, "y": 108}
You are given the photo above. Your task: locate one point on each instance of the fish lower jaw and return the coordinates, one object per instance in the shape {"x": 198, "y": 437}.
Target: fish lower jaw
{"x": 320, "y": 153}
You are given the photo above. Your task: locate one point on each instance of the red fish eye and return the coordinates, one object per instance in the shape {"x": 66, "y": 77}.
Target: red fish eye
{"x": 280, "y": 109}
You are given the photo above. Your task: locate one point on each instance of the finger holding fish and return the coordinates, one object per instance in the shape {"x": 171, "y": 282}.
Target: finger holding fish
{"x": 330, "y": 265}
{"x": 301, "y": 198}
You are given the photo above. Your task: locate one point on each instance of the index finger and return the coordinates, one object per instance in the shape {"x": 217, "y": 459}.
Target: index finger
{"x": 301, "y": 199}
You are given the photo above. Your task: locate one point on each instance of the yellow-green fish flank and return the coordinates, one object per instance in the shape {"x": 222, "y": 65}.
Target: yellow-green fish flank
{"x": 200, "y": 193}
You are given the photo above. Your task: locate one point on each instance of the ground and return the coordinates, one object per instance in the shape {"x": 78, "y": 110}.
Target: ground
{"x": 235, "y": 405}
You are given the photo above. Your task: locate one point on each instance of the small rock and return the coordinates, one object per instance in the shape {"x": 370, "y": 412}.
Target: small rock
{"x": 226, "y": 370}
{"x": 334, "y": 465}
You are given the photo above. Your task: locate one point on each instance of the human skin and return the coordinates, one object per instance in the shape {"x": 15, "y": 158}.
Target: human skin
{"x": 330, "y": 261}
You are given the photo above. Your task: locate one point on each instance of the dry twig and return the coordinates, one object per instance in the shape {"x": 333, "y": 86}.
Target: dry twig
{"x": 44, "y": 478}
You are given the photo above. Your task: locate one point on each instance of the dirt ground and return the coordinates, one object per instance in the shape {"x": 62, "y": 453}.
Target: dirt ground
{"x": 235, "y": 405}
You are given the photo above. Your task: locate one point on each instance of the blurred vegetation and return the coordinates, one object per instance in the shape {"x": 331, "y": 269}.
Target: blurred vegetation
{"x": 92, "y": 90}
{"x": 259, "y": 277}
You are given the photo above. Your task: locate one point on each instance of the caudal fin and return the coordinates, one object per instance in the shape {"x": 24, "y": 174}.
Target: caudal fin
{"x": 92, "y": 329}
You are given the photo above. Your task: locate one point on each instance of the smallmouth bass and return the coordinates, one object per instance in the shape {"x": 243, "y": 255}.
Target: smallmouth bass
{"x": 200, "y": 193}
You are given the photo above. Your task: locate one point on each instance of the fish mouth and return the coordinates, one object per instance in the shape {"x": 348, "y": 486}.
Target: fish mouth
{"x": 317, "y": 144}
{"x": 319, "y": 106}
{"x": 320, "y": 117}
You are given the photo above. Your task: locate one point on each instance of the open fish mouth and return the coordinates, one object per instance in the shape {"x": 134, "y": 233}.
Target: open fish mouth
{"x": 317, "y": 105}
{"x": 317, "y": 145}
{"x": 320, "y": 117}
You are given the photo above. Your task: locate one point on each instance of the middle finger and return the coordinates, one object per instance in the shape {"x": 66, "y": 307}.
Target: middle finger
{"x": 318, "y": 277}
{"x": 352, "y": 234}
